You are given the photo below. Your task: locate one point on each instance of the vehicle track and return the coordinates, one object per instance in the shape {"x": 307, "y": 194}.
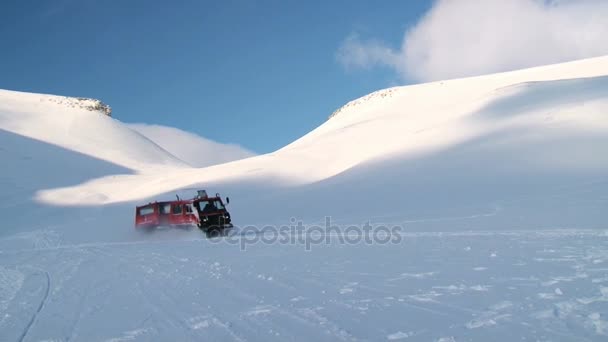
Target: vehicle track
{"x": 39, "y": 308}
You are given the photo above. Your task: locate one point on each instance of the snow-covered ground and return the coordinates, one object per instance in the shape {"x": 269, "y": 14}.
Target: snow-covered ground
{"x": 506, "y": 286}
{"x": 493, "y": 190}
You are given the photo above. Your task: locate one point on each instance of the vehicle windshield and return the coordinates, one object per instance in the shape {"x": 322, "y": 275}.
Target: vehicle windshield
{"x": 210, "y": 206}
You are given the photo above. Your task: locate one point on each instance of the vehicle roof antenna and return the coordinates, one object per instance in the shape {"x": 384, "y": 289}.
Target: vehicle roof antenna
{"x": 177, "y": 197}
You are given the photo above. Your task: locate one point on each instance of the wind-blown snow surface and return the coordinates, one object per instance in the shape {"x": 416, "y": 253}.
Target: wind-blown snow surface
{"x": 498, "y": 185}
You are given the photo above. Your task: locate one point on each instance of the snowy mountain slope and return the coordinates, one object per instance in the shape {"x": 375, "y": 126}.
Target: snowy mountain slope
{"x": 191, "y": 148}
{"x": 68, "y": 123}
{"x": 30, "y": 165}
{"x": 498, "y": 185}
{"x": 422, "y": 118}
{"x": 559, "y": 102}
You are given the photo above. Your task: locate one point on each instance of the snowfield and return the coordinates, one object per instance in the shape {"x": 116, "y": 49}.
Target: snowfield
{"x": 466, "y": 210}
{"x": 546, "y": 285}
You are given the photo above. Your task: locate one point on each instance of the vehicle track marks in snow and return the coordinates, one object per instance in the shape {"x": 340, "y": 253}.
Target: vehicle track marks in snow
{"x": 39, "y": 308}
{"x": 80, "y": 308}
{"x": 227, "y": 326}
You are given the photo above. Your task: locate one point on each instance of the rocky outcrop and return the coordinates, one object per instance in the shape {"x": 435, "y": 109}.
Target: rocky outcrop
{"x": 92, "y": 105}
{"x": 95, "y": 105}
{"x": 380, "y": 94}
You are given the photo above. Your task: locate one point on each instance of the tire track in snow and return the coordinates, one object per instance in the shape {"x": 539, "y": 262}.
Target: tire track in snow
{"x": 80, "y": 311}
{"x": 39, "y": 309}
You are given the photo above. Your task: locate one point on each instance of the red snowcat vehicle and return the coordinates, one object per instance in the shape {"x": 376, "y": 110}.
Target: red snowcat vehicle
{"x": 207, "y": 213}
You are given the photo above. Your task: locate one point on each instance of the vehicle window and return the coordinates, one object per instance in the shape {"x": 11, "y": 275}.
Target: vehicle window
{"x": 188, "y": 208}
{"x": 211, "y": 206}
{"x": 165, "y": 208}
{"x": 146, "y": 211}
{"x": 177, "y": 209}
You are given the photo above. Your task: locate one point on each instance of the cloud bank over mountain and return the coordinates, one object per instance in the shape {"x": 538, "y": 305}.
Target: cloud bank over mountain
{"x": 469, "y": 37}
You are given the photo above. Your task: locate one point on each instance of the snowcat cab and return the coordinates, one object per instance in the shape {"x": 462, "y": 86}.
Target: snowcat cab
{"x": 212, "y": 214}
{"x": 207, "y": 213}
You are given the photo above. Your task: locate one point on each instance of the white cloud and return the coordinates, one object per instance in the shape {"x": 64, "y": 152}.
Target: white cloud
{"x": 357, "y": 54}
{"x": 458, "y": 38}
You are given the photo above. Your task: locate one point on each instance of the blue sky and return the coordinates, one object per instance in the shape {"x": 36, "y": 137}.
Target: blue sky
{"x": 257, "y": 73}
{"x": 263, "y": 73}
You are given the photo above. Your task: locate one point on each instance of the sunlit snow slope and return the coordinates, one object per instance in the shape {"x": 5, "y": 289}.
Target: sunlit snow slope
{"x": 191, "y": 148}
{"x": 67, "y": 123}
{"x": 487, "y": 140}
{"x": 498, "y": 185}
